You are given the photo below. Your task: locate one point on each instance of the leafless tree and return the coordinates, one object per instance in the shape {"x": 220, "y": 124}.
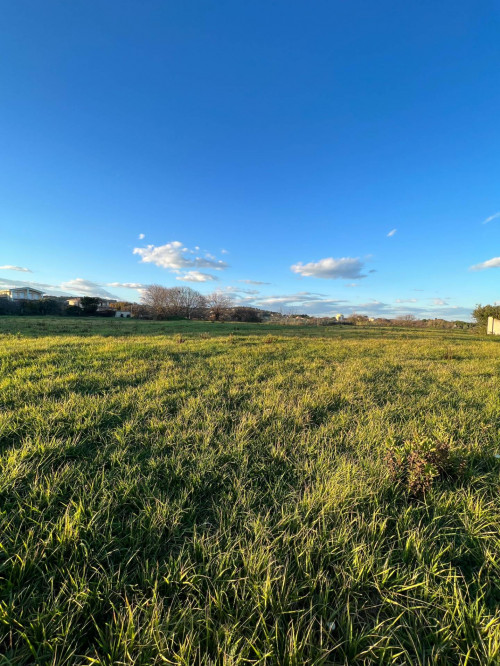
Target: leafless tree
{"x": 187, "y": 302}
{"x": 218, "y": 303}
{"x": 172, "y": 301}
{"x": 156, "y": 299}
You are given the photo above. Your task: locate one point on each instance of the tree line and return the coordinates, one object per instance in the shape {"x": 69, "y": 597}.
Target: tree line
{"x": 157, "y": 302}
{"x": 160, "y": 302}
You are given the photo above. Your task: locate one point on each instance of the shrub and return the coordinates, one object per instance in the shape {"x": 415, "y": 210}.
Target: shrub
{"x": 73, "y": 311}
{"x": 8, "y": 307}
{"x": 248, "y": 315}
{"x": 417, "y": 464}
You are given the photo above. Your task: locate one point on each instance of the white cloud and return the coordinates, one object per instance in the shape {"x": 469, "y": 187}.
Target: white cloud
{"x": 316, "y": 304}
{"x": 76, "y": 287}
{"x": 172, "y": 256}
{"x": 491, "y": 217}
{"x": 253, "y": 282}
{"x": 196, "y": 276}
{"x": 126, "y": 285}
{"x": 439, "y": 301}
{"x": 7, "y": 267}
{"x": 391, "y": 233}
{"x": 9, "y": 284}
{"x": 331, "y": 269}
{"x": 224, "y": 251}
{"x": 301, "y": 298}
{"x": 406, "y": 300}
{"x": 490, "y": 263}
{"x": 81, "y": 287}
{"x": 141, "y": 236}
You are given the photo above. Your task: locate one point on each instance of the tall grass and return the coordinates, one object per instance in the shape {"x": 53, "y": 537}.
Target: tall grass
{"x": 227, "y": 500}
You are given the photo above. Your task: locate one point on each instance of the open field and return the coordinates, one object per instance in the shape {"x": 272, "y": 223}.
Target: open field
{"x": 196, "y": 493}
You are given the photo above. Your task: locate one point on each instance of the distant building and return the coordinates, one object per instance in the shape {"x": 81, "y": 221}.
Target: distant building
{"x": 22, "y": 294}
{"x": 122, "y": 314}
{"x": 338, "y": 317}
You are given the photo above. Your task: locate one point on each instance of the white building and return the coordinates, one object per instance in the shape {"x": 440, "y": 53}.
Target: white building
{"x": 22, "y": 294}
{"x": 122, "y": 314}
{"x": 493, "y": 327}
{"x": 339, "y": 317}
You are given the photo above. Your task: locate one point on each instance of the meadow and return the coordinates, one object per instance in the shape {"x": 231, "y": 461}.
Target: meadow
{"x": 194, "y": 493}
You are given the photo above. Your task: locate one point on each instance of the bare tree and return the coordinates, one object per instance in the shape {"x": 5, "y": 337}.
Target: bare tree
{"x": 172, "y": 301}
{"x": 219, "y": 303}
{"x": 187, "y": 302}
{"x": 156, "y": 299}
{"x": 406, "y": 320}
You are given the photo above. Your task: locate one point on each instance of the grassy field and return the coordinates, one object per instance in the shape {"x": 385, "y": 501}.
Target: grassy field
{"x": 194, "y": 493}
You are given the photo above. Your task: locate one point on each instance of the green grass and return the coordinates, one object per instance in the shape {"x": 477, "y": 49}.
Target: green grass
{"x": 195, "y": 493}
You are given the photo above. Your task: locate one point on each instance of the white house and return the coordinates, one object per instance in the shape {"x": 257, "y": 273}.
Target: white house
{"x": 123, "y": 314}
{"x": 22, "y": 294}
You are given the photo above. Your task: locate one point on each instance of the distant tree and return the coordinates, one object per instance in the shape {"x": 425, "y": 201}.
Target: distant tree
{"x": 8, "y": 307}
{"x": 89, "y": 304}
{"x": 482, "y": 312}
{"x": 51, "y": 306}
{"x": 156, "y": 299}
{"x": 72, "y": 311}
{"x": 140, "y": 311}
{"x": 45, "y": 306}
{"x": 164, "y": 302}
{"x": 246, "y": 315}
{"x": 458, "y": 323}
{"x": 188, "y": 302}
{"x": 356, "y": 318}
{"x": 121, "y": 305}
{"x": 405, "y": 320}
{"x": 218, "y": 304}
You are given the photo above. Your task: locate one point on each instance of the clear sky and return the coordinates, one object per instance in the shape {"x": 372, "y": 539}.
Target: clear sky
{"x": 327, "y": 155}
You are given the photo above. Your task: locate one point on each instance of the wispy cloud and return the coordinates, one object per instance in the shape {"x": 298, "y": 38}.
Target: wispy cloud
{"x": 490, "y": 263}
{"x": 81, "y": 287}
{"x": 257, "y": 282}
{"x": 23, "y": 283}
{"x": 141, "y": 236}
{"x": 331, "y": 269}
{"x": 196, "y": 276}
{"x": 391, "y": 233}
{"x": 126, "y": 285}
{"x": 491, "y": 217}
{"x": 8, "y": 267}
{"x": 406, "y": 300}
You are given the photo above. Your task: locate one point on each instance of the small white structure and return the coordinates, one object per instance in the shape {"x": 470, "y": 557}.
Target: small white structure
{"x": 493, "y": 326}
{"x": 122, "y": 314}
{"x": 339, "y": 317}
{"x": 22, "y": 294}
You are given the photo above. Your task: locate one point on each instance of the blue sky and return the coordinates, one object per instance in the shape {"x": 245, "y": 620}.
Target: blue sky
{"x": 266, "y": 148}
